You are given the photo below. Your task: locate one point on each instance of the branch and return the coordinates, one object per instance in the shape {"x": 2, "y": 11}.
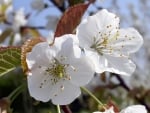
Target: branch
{"x": 122, "y": 83}
{"x": 66, "y": 109}
{"x": 61, "y": 8}
{"x": 33, "y": 27}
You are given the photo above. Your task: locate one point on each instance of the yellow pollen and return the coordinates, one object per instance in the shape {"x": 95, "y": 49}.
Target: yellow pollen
{"x": 102, "y": 45}
{"x": 57, "y": 70}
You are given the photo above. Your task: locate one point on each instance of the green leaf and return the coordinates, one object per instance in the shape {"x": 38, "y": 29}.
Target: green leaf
{"x": 5, "y": 34}
{"x": 10, "y": 58}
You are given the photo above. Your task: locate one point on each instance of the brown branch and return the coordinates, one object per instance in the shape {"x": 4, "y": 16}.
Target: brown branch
{"x": 60, "y": 7}
{"x": 66, "y": 109}
{"x": 122, "y": 83}
{"x": 33, "y": 27}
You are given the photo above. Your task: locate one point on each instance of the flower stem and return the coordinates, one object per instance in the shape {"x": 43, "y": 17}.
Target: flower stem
{"x": 93, "y": 96}
{"x": 66, "y": 109}
{"x": 16, "y": 92}
{"x": 58, "y": 109}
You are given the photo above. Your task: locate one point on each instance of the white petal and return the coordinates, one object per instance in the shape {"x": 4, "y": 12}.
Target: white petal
{"x": 40, "y": 55}
{"x": 106, "y": 21}
{"x": 98, "y": 61}
{"x": 128, "y": 41}
{"x": 134, "y": 109}
{"x": 81, "y": 71}
{"x": 19, "y": 19}
{"x": 68, "y": 46}
{"x": 120, "y": 65}
{"x": 34, "y": 82}
{"x": 42, "y": 86}
{"x": 67, "y": 95}
{"x": 86, "y": 32}
{"x": 90, "y": 27}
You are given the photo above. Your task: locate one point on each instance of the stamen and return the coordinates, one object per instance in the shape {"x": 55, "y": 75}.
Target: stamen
{"x": 74, "y": 69}
{"x": 62, "y": 88}
{"x": 101, "y": 45}
{"x": 54, "y": 73}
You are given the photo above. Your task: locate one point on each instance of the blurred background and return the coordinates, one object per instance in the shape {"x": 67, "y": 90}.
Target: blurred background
{"x": 110, "y": 88}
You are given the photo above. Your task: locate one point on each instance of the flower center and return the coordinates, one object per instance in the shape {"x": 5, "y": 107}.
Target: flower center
{"x": 103, "y": 44}
{"x": 99, "y": 45}
{"x": 54, "y": 73}
{"x": 57, "y": 70}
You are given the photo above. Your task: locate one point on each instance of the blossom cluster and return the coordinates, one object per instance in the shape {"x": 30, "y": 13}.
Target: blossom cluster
{"x": 56, "y": 72}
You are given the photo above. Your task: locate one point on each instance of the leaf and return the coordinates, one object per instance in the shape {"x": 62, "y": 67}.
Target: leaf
{"x": 9, "y": 59}
{"x": 5, "y": 34}
{"x": 29, "y": 32}
{"x": 27, "y": 47}
{"x": 73, "y": 2}
{"x": 70, "y": 20}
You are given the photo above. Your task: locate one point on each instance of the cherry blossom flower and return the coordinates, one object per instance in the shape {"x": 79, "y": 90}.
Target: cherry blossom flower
{"x": 130, "y": 109}
{"x": 134, "y": 109}
{"x": 19, "y": 19}
{"x": 106, "y": 44}
{"x": 58, "y": 71}
{"x": 16, "y": 19}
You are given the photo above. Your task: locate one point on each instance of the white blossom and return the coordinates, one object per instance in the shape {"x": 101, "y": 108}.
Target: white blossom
{"x": 106, "y": 44}
{"x": 58, "y": 71}
{"x": 130, "y": 109}
{"x": 19, "y": 19}
{"x": 134, "y": 109}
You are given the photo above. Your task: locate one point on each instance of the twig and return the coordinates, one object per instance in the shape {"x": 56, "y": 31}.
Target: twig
{"x": 61, "y": 8}
{"x": 122, "y": 83}
{"x": 33, "y": 27}
{"x": 66, "y": 109}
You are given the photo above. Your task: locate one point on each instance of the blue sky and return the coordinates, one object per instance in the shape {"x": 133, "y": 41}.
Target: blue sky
{"x": 123, "y": 7}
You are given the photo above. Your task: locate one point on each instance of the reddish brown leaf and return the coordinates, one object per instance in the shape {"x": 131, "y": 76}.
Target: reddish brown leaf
{"x": 27, "y": 47}
{"x": 70, "y": 19}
